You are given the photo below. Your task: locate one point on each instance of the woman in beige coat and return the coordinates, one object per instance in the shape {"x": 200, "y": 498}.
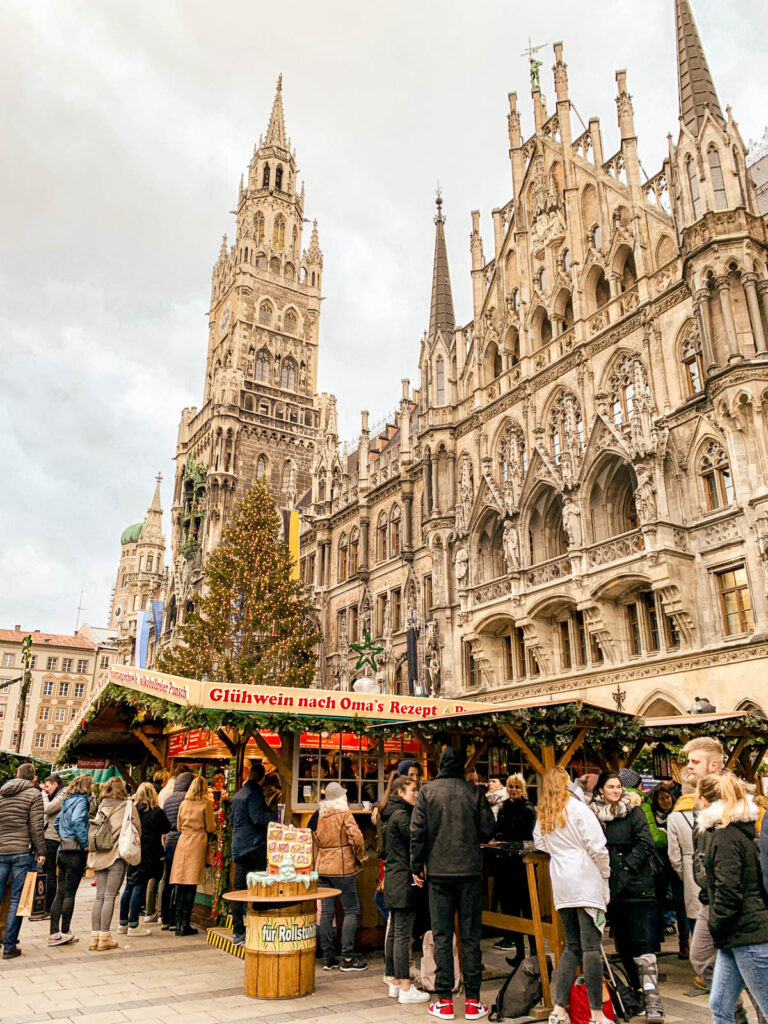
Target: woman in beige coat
{"x": 194, "y": 822}
{"x": 108, "y": 866}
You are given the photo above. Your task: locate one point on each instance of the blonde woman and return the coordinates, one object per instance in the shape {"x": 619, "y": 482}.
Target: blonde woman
{"x": 727, "y": 867}
{"x": 579, "y": 868}
{"x": 154, "y": 825}
{"x": 71, "y": 824}
{"x": 195, "y": 820}
{"x": 514, "y": 824}
{"x": 108, "y": 866}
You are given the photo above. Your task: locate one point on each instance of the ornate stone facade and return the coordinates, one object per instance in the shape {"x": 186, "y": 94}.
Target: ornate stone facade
{"x": 575, "y": 499}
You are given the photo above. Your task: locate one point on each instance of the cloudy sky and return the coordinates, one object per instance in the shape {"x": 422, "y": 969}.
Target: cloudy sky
{"x": 126, "y": 128}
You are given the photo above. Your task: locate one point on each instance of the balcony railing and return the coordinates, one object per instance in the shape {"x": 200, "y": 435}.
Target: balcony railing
{"x": 626, "y": 545}
{"x": 491, "y": 591}
{"x": 545, "y": 572}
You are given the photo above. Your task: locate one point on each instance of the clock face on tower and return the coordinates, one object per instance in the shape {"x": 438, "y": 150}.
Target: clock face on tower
{"x": 224, "y": 321}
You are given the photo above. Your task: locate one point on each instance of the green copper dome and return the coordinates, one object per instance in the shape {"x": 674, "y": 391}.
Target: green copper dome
{"x": 131, "y": 534}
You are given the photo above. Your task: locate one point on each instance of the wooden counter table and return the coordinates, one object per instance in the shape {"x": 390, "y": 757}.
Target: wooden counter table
{"x": 280, "y": 938}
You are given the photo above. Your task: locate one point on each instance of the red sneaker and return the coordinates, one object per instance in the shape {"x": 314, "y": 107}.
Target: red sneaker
{"x": 474, "y": 1009}
{"x": 442, "y": 1009}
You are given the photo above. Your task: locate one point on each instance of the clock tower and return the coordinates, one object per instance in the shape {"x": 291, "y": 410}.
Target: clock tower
{"x": 260, "y": 416}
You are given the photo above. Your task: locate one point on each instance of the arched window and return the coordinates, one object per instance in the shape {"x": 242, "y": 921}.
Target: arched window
{"x": 278, "y": 232}
{"x": 715, "y": 472}
{"x": 149, "y": 564}
{"x": 716, "y": 174}
{"x": 287, "y": 472}
{"x": 261, "y": 467}
{"x": 566, "y": 429}
{"x": 394, "y": 532}
{"x": 627, "y": 378}
{"x": 265, "y": 314}
{"x": 279, "y": 176}
{"x": 262, "y": 366}
{"x": 693, "y": 185}
{"x": 343, "y": 557}
{"x": 288, "y": 374}
{"x": 381, "y": 537}
{"x": 354, "y": 551}
{"x": 513, "y": 459}
{"x": 439, "y": 381}
{"x": 246, "y": 254}
{"x": 258, "y": 228}
{"x": 694, "y": 371}
{"x": 265, "y": 177}
{"x": 290, "y": 322}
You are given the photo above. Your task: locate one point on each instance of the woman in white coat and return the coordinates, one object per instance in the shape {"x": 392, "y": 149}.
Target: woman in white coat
{"x": 579, "y": 868}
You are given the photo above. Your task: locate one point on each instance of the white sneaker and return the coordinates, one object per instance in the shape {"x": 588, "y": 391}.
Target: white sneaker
{"x": 151, "y": 918}
{"x": 68, "y": 937}
{"x": 137, "y": 931}
{"x": 394, "y": 991}
{"x": 55, "y": 939}
{"x": 122, "y": 929}
{"x": 413, "y": 995}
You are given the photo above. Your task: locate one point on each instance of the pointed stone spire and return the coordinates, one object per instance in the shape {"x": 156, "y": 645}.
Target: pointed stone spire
{"x": 157, "y": 504}
{"x": 441, "y": 317}
{"x": 153, "y": 522}
{"x": 223, "y": 249}
{"x": 314, "y": 255}
{"x": 694, "y": 79}
{"x": 276, "y": 127}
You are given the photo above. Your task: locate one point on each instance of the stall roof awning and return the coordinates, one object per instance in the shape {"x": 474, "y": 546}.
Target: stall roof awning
{"x": 681, "y": 721}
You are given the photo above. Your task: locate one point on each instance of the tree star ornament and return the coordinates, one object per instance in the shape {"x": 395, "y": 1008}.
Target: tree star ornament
{"x": 367, "y": 653}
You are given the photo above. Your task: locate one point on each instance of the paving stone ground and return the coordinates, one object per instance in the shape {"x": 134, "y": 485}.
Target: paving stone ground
{"x": 162, "y": 979}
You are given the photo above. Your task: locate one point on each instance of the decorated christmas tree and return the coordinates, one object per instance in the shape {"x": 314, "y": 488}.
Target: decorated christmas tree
{"x": 253, "y": 624}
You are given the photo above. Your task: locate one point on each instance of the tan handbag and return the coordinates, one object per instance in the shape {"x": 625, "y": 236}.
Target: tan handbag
{"x": 27, "y": 895}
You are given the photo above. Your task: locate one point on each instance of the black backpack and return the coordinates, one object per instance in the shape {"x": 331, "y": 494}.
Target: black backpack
{"x": 627, "y": 1003}
{"x": 521, "y": 990}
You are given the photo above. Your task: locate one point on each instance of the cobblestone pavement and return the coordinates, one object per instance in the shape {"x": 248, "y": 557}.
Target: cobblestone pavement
{"x": 172, "y": 980}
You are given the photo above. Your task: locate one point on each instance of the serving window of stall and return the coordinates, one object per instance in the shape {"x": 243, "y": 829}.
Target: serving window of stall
{"x": 344, "y": 757}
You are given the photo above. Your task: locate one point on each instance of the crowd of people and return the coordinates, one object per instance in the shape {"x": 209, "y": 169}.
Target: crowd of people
{"x": 619, "y": 860}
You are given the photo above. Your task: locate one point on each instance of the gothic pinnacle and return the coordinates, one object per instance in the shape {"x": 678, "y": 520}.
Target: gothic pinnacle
{"x": 276, "y": 127}
{"x": 695, "y": 84}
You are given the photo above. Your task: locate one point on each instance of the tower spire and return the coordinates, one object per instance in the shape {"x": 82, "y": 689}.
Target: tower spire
{"x": 694, "y": 79}
{"x": 441, "y": 316}
{"x": 276, "y": 127}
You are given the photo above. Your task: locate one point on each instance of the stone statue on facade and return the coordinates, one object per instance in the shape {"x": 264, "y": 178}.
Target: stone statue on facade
{"x": 572, "y": 522}
{"x": 511, "y": 544}
{"x": 645, "y": 494}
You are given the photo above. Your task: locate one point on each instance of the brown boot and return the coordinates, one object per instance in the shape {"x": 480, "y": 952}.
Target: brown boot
{"x": 106, "y": 941}
{"x": 94, "y": 940}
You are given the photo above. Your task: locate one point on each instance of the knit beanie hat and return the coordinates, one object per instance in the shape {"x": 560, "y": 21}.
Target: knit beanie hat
{"x": 453, "y": 760}
{"x": 404, "y": 767}
{"x": 629, "y": 779}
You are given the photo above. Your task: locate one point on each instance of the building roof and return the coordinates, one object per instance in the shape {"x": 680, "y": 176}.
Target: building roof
{"x": 695, "y": 85}
{"x": 15, "y": 636}
{"x": 441, "y": 316}
{"x": 101, "y": 635}
{"x": 131, "y": 533}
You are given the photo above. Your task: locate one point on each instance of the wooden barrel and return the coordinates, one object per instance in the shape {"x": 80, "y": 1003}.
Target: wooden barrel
{"x": 280, "y": 949}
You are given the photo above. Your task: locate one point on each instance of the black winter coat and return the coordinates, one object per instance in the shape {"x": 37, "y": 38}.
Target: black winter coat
{"x": 171, "y": 809}
{"x": 734, "y": 886}
{"x": 450, "y": 820}
{"x": 516, "y": 821}
{"x": 399, "y": 890}
{"x": 630, "y": 846}
{"x": 154, "y": 825}
{"x": 250, "y": 818}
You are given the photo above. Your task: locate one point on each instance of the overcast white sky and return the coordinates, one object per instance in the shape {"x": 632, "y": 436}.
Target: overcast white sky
{"x": 126, "y": 127}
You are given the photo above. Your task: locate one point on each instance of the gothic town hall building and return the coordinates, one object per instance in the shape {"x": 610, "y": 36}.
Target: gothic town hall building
{"x": 574, "y": 500}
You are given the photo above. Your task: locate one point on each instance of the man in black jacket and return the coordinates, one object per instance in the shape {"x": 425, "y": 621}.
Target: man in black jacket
{"x": 22, "y": 838}
{"x": 450, "y": 820}
{"x": 172, "y": 805}
{"x": 250, "y": 818}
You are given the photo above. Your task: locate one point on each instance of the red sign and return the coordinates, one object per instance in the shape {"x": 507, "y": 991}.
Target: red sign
{"x": 92, "y": 763}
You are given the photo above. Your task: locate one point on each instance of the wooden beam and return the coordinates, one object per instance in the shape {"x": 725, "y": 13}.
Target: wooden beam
{"x": 123, "y": 769}
{"x": 149, "y": 745}
{"x": 272, "y": 756}
{"x": 565, "y": 758}
{"x": 521, "y": 745}
{"x": 734, "y": 755}
{"x": 632, "y": 755}
{"x": 226, "y": 740}
{"x": 548, "y": 756}
{"x": 758, "y": 757}
{"x": 428, "y": 746}
{"x": 479, "y": 751}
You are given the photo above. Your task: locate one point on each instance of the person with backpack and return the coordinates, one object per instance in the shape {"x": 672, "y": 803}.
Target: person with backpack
{"x": 195, "y": 822}
{"x": 104, "y": 857}
{"x": 728, "y": 869}
{"x": 71, "y": 825}
{"x": 400, "y": 891}
{"x": 450, "y": 819}
{"x": 154, "y": 825}
{"x": 579, "y": 868}
{"x": 631, "y": 849}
